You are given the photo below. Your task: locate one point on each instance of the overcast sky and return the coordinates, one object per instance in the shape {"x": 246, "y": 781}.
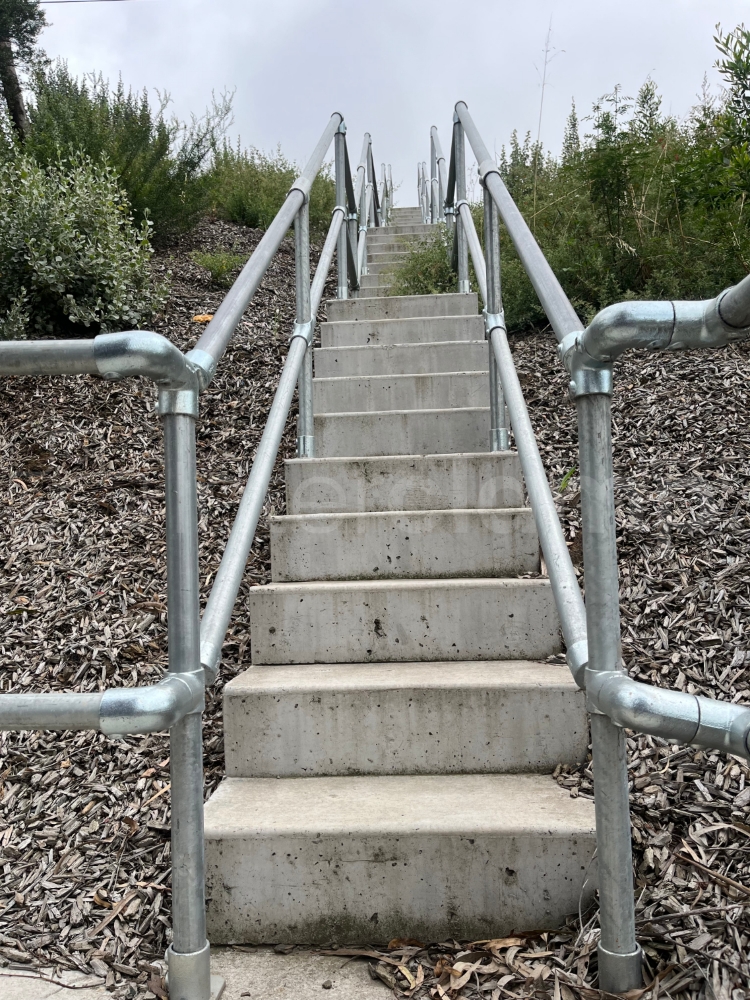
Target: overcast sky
{"x": 394, "y": 67}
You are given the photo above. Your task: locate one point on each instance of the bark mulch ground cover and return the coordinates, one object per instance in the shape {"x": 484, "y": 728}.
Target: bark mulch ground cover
{"x": 84, "y": 820}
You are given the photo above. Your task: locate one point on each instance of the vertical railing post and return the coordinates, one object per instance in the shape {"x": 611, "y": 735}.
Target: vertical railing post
{"x": 305, "y": 420}
{"x": 342, "y": 290}
{"x": 372, "y": 181}
{"x": 433, "y": 182}
{"x": 619, "y": 953}
{"x": 363, "y": 226}
{"x": 188, "y": 956}
{"x": 499, "y": 440}
{"x": 461, "y": 241}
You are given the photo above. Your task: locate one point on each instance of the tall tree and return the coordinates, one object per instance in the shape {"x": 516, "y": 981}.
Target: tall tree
{"x": 20, "y": 24}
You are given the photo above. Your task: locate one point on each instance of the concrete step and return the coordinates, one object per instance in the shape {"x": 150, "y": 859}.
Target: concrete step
{"x": 370, "y": 284}
{"x": 392, "y": 258}
{"x": 404, "y": 545}
{"x": 397, "y": 247}
{"x": 357, "y": 859}
{"x": 381, "y": 267}
{"x": 403, "y": 482}
{"x": 364, "y": 332}
{"x": 375, "y": 235}
{"x": 401, "y": 392}
{"x": 403, "y": 718}
{"x": 402, "y": 620}
{"x": 403, "y": 307}
{"x": 409, "y": 359}
{"x": 402, "y": 432}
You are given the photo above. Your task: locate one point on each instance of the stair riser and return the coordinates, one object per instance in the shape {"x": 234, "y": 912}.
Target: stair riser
{"x": 380, "y": 267}
{"x": 402, "y": 621}
{"x": 402, "y": 307}
{"x": 361, "y": 333}
{"x": 399, "y": 248}
{"x": 374, "y": 278}
{"x": 401, "y": 392}
{"x": 412, "y": 719}
{"x": 394, "y": 256}
{"x": 402, "y": 432}
{"x": 446, "y": 544}
{"x": 401, "y": 229}
{"x": 445, "y": 482}
{"x": 353, "y": 885}
{"x": 400, "y": 359}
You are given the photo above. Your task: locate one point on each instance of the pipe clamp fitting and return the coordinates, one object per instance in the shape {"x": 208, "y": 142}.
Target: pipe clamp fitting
{"x": 204, "y": 365}
{"x": 619, "y": 973}
{"x": 151, "y": 709}
{"x": 588, "y": 377}
{"x": 700, "y": 325}
{"x": 723, "y": 726}
{"x": 189, "y": 975}
{"x": 577, "y": 656}
{"x": 304, "y": 331}
{"x": 303, "y": 185}
{"x": 487, "y": 167}
{"x": 494, "y": 321}
{"x": 178, "y": 401}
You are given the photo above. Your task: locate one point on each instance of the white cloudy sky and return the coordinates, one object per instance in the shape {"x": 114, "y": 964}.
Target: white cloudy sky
{"x": 394, "y": 67}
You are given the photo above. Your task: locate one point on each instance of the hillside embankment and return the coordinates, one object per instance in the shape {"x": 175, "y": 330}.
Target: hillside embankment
{"x": 84, "y": 820}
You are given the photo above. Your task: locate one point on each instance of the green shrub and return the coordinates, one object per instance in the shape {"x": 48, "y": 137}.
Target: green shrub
{"x": 72, "y": 264}
{"x": 249, "y": 187}
{"x": 160, "y": 162}
{"x": 643, "y": 206}
{"x": 426, "y": 268}
{"x": 220, "y": 265}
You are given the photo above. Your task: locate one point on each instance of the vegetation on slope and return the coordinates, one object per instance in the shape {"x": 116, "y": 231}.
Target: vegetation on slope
{"x": 642, "y": 205}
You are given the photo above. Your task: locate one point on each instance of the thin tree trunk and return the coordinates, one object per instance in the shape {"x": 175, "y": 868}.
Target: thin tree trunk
{"x": 12, "y": 89}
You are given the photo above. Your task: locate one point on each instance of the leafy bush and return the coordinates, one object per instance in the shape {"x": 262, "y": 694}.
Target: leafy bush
{"x": 642, "y": 206}
{"x": 426, "y": 268}
{"x": 160, "y": 162}
{"x": 72, "y": 264}
{"x": 249, "y": 187}
{"x": 219, "y": 265}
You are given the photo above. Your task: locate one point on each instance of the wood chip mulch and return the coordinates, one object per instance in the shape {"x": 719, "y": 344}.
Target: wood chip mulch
{"x": 84, "y": 820}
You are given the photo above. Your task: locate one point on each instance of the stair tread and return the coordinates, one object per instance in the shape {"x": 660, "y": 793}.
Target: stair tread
{"x": 526, "y": 675}
{"x": 526, "y": 804}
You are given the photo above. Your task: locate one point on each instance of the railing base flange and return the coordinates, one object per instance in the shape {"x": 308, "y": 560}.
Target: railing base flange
{"x": 619, "y": 973}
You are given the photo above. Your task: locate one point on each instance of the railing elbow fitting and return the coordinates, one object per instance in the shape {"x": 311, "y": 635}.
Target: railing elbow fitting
{"x": 699, "y": 325}
{"x": 723, "y": 726}
{"x": 672, "y": 715}
{"x": 630, "y": 704}
{"x": 641, "y": 325}
{"x": 151, "y": 709}
{"x": 141, "y": 352}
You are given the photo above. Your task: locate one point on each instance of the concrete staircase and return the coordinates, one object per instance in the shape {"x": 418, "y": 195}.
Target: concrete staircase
{"x": 389, "y": 751}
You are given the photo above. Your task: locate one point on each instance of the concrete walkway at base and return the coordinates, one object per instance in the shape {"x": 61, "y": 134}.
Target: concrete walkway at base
{"x": 250, "y": 974}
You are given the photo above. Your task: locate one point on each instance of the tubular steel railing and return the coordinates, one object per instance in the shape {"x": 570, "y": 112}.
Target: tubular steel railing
{"x": 177, "y": 702}
{"x": 591, "y": 632}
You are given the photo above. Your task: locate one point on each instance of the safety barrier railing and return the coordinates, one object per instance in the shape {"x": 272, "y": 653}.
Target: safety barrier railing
{"x": 176, "y": 703}
{"x": 591, "y": 632}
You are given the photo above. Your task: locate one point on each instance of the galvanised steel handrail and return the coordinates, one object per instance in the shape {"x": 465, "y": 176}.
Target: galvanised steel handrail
{"x": 176, "y": 703}
{"x": 613, "y": 699}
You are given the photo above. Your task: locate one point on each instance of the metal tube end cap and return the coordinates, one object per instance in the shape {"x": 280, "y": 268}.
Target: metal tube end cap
{"x": 619, "y": 973}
